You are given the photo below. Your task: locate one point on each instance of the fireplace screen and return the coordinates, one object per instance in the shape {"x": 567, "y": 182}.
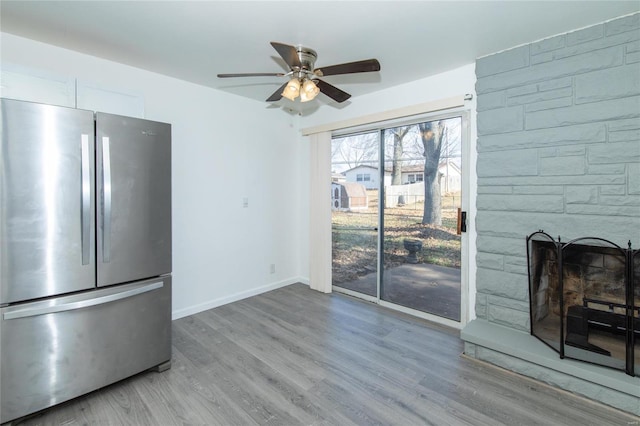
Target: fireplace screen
{"x": 585, "y": 299}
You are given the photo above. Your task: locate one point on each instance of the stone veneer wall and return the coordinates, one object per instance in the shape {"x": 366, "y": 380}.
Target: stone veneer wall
{"x": 558, "y": 150}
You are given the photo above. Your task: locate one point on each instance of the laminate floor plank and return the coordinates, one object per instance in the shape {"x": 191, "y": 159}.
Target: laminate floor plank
{"x": 508, "y": 396}
{"x": 353, "y": 345}
{"x": 351, "y": 348}
{"x": 279, "y": 351}
{"x": 227, "y": 383}
{"x": 271, "y": 391}
{"x": 124, "y": 406}
{"x": 187, "y": 396}
{"x": 293, "y": 356}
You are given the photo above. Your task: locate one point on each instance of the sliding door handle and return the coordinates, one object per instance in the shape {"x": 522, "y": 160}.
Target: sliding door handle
{"x": 462, "y": 222}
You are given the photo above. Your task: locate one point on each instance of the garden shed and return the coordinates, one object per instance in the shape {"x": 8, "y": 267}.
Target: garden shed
{"x": 348, "y": 196}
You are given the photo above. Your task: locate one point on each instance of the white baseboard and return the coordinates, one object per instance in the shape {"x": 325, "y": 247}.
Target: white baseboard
{"x": 191, "y": 310}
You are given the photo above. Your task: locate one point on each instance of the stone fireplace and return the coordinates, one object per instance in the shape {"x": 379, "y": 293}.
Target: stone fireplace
{"x": 558, "y": 149}
{"x": 585, "y": 299}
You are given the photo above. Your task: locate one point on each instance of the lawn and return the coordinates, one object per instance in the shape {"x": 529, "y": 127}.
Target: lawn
{"x": 354, "y": 238}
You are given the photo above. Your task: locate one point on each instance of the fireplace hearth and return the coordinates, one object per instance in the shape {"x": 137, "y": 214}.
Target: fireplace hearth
{"x": 585, "y": 299}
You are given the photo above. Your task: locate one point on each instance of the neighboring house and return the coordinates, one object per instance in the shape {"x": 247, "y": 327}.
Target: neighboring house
{"x": 348, "y": 196}
{"x": 338, "y": 177}
{"x": 368, "y": 176}
{"x": 412, "y": 174}
{"x": 365, "y": 175}
{"x": 449, "y": 182}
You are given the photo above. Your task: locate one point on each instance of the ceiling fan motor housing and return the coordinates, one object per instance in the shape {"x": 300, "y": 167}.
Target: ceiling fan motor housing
{"x": 307, "y": 58}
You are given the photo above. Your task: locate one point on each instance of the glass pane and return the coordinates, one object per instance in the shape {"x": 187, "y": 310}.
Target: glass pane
{"x": 422, "y": 192}
{"x": 594, "y": 296}
{"x": 354, "y": 217}
{"x": 544, "y": 290}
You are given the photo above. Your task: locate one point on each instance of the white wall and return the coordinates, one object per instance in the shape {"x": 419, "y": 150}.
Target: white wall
{"x": 225, "y": 148}
{"x": 455, "y": 82}
{"x": 222, "y": 252}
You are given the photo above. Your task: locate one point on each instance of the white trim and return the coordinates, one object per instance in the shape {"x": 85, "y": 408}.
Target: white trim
{"x": 399, "y": 308}
{"x": 420, "y": 314}
{"x": 466, "y": 300}
{"x": 437, "y": 105}
{"x": 355, "y": 294}
{"x": 194, "y": 309}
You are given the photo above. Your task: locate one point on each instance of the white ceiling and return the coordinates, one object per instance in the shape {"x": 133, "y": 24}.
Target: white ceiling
{"x": 195, "y": 40}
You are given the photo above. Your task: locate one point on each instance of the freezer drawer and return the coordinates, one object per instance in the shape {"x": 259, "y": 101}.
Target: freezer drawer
{"x": 55, "y": 350}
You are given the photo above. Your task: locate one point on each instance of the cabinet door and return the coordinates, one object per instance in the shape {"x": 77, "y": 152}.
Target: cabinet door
{"x": 47, "y": 226}
{"x": 134, "y": 186}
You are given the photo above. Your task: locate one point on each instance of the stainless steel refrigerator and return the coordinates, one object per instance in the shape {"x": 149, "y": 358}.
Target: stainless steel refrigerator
{"x": 85, "y": 252}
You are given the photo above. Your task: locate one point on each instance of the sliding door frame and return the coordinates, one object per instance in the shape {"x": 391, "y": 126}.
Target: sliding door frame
{"x": 380, "y": 127}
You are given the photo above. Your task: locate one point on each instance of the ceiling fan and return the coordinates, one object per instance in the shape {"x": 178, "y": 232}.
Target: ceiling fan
{"x": 304, "y": 81}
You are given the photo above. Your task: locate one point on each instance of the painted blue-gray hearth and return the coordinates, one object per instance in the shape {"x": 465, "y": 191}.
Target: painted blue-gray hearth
{"x": 559, "y": 150}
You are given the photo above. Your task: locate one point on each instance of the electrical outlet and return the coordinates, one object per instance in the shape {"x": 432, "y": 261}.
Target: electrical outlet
{"x": 245, "y": 202}
{"x": 273, "y": 268}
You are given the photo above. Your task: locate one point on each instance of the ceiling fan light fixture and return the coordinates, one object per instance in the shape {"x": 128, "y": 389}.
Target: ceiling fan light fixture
{"x": 304, "y": 97}
{"x": 292, "y": 89}
{"x": 309, "y": 90}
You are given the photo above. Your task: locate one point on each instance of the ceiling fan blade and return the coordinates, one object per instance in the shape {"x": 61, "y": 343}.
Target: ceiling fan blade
{"x": 332, "y": 91}
{"x": 252, "y": 74}
{"x": 275, "y": 96}
{"x": 288, "y": 53}
{"x": 367, "y": 65}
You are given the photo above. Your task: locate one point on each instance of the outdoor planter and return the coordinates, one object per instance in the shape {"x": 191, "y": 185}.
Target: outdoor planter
{"x": 413, "y": 247}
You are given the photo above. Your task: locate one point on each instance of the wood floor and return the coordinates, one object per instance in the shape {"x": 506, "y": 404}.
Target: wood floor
{"x": 297, "y": 357}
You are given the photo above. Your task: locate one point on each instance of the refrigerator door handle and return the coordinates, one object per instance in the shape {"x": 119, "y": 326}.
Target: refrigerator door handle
{"x": 106, "y": 201}
{"x": 43, "y": 310}
{"x": 85, "y": 218}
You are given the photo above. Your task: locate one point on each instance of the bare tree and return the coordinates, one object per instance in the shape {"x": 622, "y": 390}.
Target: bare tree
{"x": 432, "y": 133}
{"x": 451, "y": 149}
{"x": 398, "y": 134}
{"x": 354, "y": 151}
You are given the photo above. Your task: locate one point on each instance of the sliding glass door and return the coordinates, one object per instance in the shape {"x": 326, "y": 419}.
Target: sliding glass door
{"x": 355, "y": 215}
{"x": 421, "y": 247}
{"x": 396, "y": 215}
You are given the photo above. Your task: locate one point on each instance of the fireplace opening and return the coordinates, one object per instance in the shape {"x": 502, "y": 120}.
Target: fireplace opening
{"x": 585, "y": 299}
